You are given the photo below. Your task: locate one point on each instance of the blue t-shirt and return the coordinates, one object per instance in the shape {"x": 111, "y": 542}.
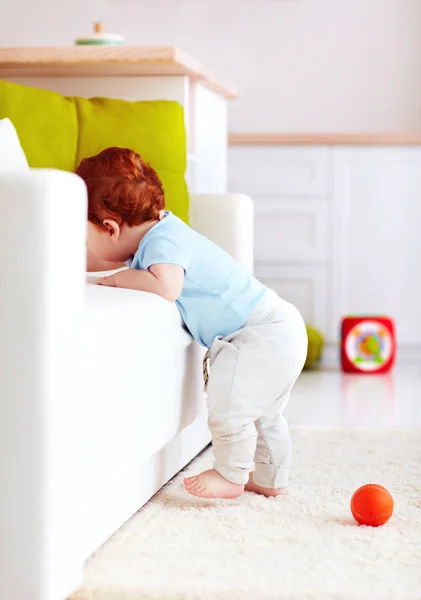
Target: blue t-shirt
{"x": 218, "y": 294}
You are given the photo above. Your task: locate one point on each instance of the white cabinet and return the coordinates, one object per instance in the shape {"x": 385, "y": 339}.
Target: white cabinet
{"x": 338, "y": 230}
{"x": 299, "y": 228}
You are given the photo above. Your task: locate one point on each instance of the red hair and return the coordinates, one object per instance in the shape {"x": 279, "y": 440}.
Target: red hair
{"x": 121, "y": 186}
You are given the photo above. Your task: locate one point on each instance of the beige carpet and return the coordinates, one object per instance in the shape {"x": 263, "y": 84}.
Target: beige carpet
{"x": 301, "y": 547}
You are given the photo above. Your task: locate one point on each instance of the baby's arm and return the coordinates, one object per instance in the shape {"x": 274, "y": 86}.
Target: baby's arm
{"x": 161, "y": 279}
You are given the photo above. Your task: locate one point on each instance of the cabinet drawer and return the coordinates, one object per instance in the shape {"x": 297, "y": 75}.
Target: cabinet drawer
{"x": 285, "y": 171}
{"x": 291, "y": 230}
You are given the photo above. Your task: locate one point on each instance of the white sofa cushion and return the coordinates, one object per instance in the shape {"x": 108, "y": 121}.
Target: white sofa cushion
{"x": 12, "y": 156}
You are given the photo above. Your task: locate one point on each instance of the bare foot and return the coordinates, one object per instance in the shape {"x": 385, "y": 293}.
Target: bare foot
{"x": 259, "y": 489}
{"x": 210, "y": 484}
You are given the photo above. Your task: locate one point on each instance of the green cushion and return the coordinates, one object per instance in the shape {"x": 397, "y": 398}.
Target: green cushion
{"x": 46, "y": 124}
{"x": 57, "y": 132}
{"x": 315, "y": 347}
{"x": 153, "y": 129}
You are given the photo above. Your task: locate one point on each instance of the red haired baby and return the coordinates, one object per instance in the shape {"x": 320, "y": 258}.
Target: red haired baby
{"x": 256, "y": 341}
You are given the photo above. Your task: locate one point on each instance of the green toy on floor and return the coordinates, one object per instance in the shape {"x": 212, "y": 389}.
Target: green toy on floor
{"x": 315, "y": 347}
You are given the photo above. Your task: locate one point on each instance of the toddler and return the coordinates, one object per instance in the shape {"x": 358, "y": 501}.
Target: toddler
{"x": 256, "y": 341}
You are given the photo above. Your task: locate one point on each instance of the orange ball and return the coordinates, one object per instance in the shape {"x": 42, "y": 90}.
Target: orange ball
{"x": 372, "y": 505}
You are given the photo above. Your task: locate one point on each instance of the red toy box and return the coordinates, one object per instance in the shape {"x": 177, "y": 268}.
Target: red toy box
{"x": 368, "y": 344}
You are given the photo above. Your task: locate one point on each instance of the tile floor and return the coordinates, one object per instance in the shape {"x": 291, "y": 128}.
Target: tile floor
{"x": 332, "y": 399}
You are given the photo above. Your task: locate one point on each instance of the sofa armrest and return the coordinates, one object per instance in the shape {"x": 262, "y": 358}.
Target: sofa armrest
{"x": 42, "y": 275}
{"x": 226, "y": 219}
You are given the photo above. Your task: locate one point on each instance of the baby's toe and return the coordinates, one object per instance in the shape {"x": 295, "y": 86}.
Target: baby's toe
{"x": 188, "y": 481}
{"x": 196, "y": 486}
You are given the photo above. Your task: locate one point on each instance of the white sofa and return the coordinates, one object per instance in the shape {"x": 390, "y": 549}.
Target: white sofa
{"x": 101, "y": 398}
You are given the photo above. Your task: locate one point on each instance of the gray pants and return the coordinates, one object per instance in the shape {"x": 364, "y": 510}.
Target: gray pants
{"x": 252, "y": 373}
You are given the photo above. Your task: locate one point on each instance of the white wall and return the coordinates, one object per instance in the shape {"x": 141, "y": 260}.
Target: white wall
{"x": 300, "y": 65}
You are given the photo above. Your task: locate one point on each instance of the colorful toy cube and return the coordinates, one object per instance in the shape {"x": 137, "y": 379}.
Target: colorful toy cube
{"x": 368, "y": 344}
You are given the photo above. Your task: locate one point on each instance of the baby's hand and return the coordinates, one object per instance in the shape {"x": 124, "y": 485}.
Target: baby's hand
{"x": 109, "y": 281}
{"x": 127, "y": 278}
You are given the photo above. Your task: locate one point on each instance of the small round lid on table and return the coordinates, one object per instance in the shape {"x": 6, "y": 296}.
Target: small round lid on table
{"x": 100, "y": 37}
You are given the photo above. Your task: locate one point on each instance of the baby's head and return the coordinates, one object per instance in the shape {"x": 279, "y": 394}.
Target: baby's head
{"x": 124, "y": 194}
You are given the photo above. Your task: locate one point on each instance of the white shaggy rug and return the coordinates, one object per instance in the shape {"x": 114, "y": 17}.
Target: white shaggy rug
{"x": 303, "y": 546}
